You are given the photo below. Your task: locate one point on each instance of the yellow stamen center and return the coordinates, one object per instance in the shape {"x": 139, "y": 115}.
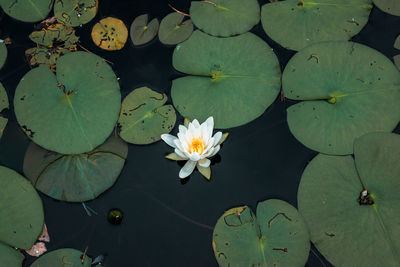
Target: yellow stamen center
{"x": 197, "y": 145}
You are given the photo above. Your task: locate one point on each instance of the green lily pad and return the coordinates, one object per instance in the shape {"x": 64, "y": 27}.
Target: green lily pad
{"x": 396, "y": 58}
{"x": 173, "y": 30}
{"x": 296, "y": 24}
{"x": 143, "y": 31}
{"x": 75, "y": 178}
{"x": 27, "y": 10}
{"x": 10, "y": 257}
{"x": 277, "y": 237}
{"x": 345, "y": 231}
{"x": 233, "y": 79}
{"x": 65, "y": 257}
{"x": 348, "y": 90}
{"x": 3, "y": 54}
{"x": 21, "y": 210}
{"x": 55, "y": 35}
{"x": 73, "y": 111}
{"x": 3, "y": 106}
{"x": 389, "y": 6}
{"x": 144, "y": 117}
{"x": 75, "y": 12}
{"x": 225, "y": 17}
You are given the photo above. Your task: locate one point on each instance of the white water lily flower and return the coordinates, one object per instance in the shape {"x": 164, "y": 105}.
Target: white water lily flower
{"x": 195, "y": 144}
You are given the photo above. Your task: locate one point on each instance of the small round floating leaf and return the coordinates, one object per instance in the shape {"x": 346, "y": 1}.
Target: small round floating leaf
{"x": 21, "y": 210}
{"x": 173, "y": 30}
{"x": 144, "y": 117}
{"x": 75, "y": 12}
{"x": 233, "y": 79}
{"x": 348, "y": 90}
{"x": 3, "y": 106}
{"x": 10, "y": 257}
{"x": 3, "y": 54}
{"x": 389, "y": 6}
{"x": 296, "y": 24}
{"x": 75, "y": 178}
{"x": 278, "y": 236}
{"x": 115, "y": 216}
{"x": 341, "y": 226}
{"x": 143, "y": 32}
{"x": 110, "y": 34}
{"x": 73, "y": 111}
{"x": 225, "y": 18}
{"x": 63, "y": 257}
{"x": 27, "y": 10}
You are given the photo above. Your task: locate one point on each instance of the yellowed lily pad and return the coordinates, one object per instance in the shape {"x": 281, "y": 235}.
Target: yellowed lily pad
{"x": 110, "y": 34}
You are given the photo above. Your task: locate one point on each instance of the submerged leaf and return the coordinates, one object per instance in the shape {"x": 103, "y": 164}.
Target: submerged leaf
{"x": 63, "y": 257}
{"x": 389, "y": 6}
{"x": 144, "y": 117}
{"x": 296, "y": 24}
{"x": 75, "y": 12}
{"x": 75, "y": 178}
{"x": 21, "y": 210}
{"x": 348, "y": 90}
{"x": 330, "y": 198}
{"x": 3, "y": 53}
{"x": 225, "y": 18}
{"x": 73, "y": 111}
{"x": 110, "y": 34}
{"x": 45, "y": 56}
{"x": 10, "y": 257}
{"x": 278, "y": 236}
{"x": 173, "y": 30}
{"x": 27, "y": 10}
{"x": 55, "y": 35}
{"x": 233, "y": 79}
{"x": 143, "y": 32}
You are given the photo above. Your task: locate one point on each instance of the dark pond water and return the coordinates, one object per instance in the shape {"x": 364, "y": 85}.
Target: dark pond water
{"x": 168, "y": 222}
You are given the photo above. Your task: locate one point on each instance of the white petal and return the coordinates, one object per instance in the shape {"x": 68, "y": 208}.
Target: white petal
{"x": 182, "y": 129}
{"x": 194, "y": 156}
{"x": 183, "y": 142}
{"x": 178, "y": 145}
{"x": 210, "y": 123}
{"x": 217, "y": 137}
{"x": 204, "y": 163}
{"x": 223, "y": 138}
{"x": 180, "y": 154}
{"x": 205, "y": 133}
{"x": 216, "y": 150}
{"x": 196, "y": 123}
{"x": 187, "y": 169}
{"x": 169, "y": 139}
{"x": 209, "y": 146}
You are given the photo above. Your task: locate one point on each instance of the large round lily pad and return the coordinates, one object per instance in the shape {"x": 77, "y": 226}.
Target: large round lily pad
{"x": 295, "y": 24}
{"x": 110, "y": 34}
{"x": 10, "y": 257}
{"x": 142, "y": 31}
{"x": 348, "y": 90}
{"x": 75, "y": 178}
{"x": 73, "y": 111}
{"x": 21, "y": 210}
{"x": 389, "y": 6}
{"x": 75, "y": 12}
{"x": 345, "y": 231}
{"x": 3, "y": 53}
{"x": 173, "y": 30}
{"x": 27, "y": 10}
{"x": 144, "y": 117}
{"x": 3, "y": 106}
{"x": 233, "y": 79}
{"x": 63, "y": 257}
{"x": 225, "y": 17}
{"x": 277, "y": 237}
